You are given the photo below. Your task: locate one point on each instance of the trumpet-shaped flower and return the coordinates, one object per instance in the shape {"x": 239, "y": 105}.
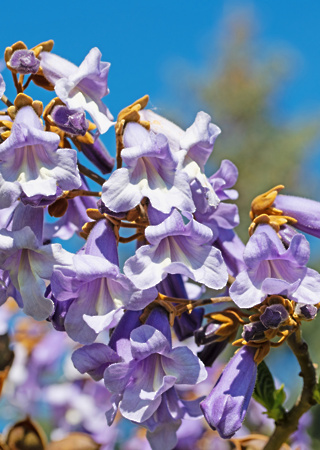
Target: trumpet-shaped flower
{"x": 31, "y": 162}
{"x": 81, "y": 87}
{"x": 225, "y": 407}
{"x": 98, "y": 289}
{"x": 193, "y": 148}
{"x": 177, "y": 248}
{"x": 150, "y": 369}
{"x": 273, "y": 269}
{"x": 151, "y": 172}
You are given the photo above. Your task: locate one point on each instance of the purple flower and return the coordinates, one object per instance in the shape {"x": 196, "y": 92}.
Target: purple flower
{"x": 29, "y": 264}
{"x": 93, "y": 359}
{"x": 151, "y": 369}
{"x": 81, "y": 87}
{"x": 58, "y": 316}
{"x": 192, "y": 147}
{"x": 40, "y": 199}
{"x": 177, "y": 248}
{"x": 273, "y": 269}
{"x": 232, "y": 248}
{"x": 224, "y": 216}
{"x": 225, "y": 407}
{"x": 164, "y": 423}
{"x": 31, "y": 162}
{"x": 224, "y": 179}
{"x": 98, "y": 289}
{"x": 151, "y": 172}
{"x": 189, "y": 433}
{"x": 197, "y": 143}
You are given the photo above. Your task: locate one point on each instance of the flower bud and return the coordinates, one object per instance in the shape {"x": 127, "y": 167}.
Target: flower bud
{"x": 253, "y": 331}
{"x": 69, "y": 120}
{"x": 24, "y": 61}
{"x": 225, "y": 407}
{"x": 274, "y": 315}
{"x": 306, "y": 312}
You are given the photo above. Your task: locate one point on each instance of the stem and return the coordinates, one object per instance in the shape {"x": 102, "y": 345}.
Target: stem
{"x": 205, "y": 301}
{"x": 6, "y": 101}
{"x": 26, "y": 84}
{"x": 119, "y": 145}
{"x": 133, "y": 225}
{"x": 126, "y": 240}
{"x": 289, "y": 423}
{"x": 18, "y": 86}
{"x": 90, "y": 174}
{"x": 81, "y": 192}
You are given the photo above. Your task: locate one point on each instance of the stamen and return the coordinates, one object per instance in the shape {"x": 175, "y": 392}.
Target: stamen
{"x": 126, "y": 240}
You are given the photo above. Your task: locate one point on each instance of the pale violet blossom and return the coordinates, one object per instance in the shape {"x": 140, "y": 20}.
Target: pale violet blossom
{"x": 81, "y": 87}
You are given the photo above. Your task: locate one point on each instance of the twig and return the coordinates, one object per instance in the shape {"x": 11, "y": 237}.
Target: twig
{"x": 17, "y": 84}
{"x": 90, "y": 174}
{"x": 289, "y": 423}
{"x": 6, "y": 101}
{"x": 26, "y": 84}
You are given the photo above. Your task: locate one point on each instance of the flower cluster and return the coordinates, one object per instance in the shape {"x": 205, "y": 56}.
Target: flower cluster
{"x": 183, "y": 223}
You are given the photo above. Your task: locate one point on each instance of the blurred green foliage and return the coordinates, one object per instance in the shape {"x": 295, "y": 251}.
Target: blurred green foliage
{"x": 241, "y": 96}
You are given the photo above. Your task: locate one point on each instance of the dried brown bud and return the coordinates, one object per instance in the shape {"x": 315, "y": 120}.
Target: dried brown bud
{"x": 26, "y": 435}
{"x": 58, "y": 208}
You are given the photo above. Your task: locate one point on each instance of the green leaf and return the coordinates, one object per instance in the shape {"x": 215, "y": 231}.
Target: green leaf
{"x": 277, "y": 410}
{"x": 266, "y": 393}
{"x": 279, "y": 397}
{"x": 264, "y": 388}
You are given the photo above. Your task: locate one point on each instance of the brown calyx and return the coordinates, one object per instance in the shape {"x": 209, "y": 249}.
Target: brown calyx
{"x": 263, "y": 211}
